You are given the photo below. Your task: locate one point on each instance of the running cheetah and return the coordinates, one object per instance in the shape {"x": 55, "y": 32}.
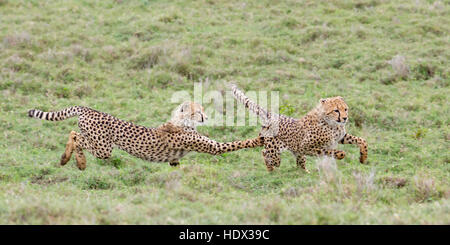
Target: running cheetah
{"x": 101, "y": 132}
{"x": 315, "y": 134}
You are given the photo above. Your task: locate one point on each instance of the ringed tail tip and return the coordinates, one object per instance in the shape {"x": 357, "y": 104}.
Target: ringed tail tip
{"x": 31, "y": 113}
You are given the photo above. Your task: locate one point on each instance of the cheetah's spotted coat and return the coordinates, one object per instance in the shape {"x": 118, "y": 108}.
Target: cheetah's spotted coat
{"x": 100, "y": 132}
{"x": 315, "y": 134}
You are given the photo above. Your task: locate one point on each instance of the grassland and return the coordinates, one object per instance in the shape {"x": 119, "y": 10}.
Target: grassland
{"x": 127, "y": 58}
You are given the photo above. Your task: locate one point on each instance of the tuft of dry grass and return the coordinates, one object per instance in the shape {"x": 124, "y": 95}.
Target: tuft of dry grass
{"x": 18, "y": 39}
{"x": 399, "y": 66}
{"x": 425, "y": 188}
{"x": 395, "y": 182}
{"x": 364, "y": 182}
{"x": 328, "y": 171}
{"x": 147, "y": 58}
{"x": 55, "y": 56}
{"x": 173, "y": 181}
{"x": 81, "y": 52}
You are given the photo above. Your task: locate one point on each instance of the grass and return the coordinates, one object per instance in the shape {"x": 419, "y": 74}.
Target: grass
{"x": 388, "y": 59}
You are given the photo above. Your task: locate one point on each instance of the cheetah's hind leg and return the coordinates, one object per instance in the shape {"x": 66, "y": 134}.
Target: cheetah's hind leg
{"x": 102, "y": 149}
{"x": 70, "y": 147}
{"x": 81, "y": 159}
{"x": 80, "y": 144}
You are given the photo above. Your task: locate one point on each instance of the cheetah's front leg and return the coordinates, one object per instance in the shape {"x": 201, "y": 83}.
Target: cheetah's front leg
{"x": 362, "y": 143}
{"x": 301, "y": 162}
{"x": 271, "y": 158}
{"x": 70, "y": 147}
{"x": 331, "y": 153}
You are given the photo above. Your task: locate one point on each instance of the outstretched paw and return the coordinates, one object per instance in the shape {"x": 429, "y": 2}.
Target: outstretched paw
{"x": 339, "y": 155}
{"x": 270, "y": 168}
{"x": 64, "y": 159}
{"x": 363, "y": 158}
{"x": 81, "y": 159}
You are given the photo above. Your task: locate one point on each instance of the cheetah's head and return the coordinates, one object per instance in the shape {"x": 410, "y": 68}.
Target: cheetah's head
{"x": 189, "y": 114}
{"x": 335, "y": 110}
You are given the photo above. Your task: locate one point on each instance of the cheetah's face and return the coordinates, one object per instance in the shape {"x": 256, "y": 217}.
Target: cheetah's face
{"x": 190, "y": 114}
{"x": 335, "y": 110}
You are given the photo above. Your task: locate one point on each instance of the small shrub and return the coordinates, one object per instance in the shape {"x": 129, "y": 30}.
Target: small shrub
{"x": 83, "y": 91}
{"x": 423, "y": 72}
{"x": 109, "y": 53}
{"x": 17, "y": 64}
{"x": 290, "y": 22}
{"x": 97, "y": 183}
{"x": 264, "y": 59}
{"x": 62, "y": 92}
{"x": 147, "y": 58}
{"x": 169, "y": 18}
{"x": 17, "y": 40}
{"x": 48, "y": 180}
{"x": 67, "y": 75}
{"x": 395, "y": 182}
{"x": 116, "y": 162}
{"x": 161, "y": 78}
{"x": 134, "y": 177}
{"x": 318, "y": 32}
{"x": 420, "y": 133}
{"x": 81, "y": 52}
{"x": 425, "y": 189}
{"x": 358, "y": 116}
{"x": 337, "y": 63}
{"x": 273, "y": 210}
{"x": 287, "y": 110}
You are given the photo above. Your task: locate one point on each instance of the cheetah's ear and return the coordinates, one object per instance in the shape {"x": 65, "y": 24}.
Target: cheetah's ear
{"x": 340, "y": 97}
{"x": 323, "y": 101}
{"x": 184, "y": 106}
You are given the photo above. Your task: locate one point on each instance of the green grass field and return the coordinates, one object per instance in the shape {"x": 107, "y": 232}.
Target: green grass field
{"x": 388, "y": 59}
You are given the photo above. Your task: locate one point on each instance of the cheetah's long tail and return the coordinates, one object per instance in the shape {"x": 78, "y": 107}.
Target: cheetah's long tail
{"x": 252, "y": 106}
{"x": 56, "y": 115}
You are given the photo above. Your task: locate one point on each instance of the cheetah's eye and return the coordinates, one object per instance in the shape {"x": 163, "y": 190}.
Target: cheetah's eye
{"x": 336, "y": 111}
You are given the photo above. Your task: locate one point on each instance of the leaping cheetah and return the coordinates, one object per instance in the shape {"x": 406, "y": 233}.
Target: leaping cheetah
{"x": 101, "y": 132}
{"x": 317, "y": 133}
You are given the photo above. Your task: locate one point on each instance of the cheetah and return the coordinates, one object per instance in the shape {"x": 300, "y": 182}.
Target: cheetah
{"x": 101, "y": 132}
{"x": 315, "y": 134}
